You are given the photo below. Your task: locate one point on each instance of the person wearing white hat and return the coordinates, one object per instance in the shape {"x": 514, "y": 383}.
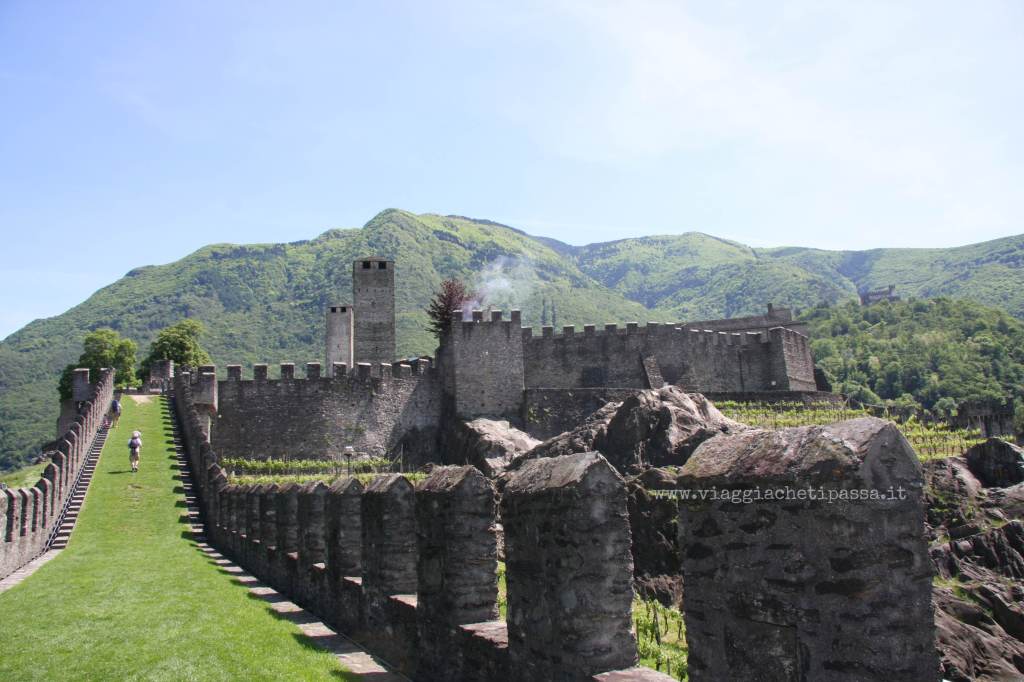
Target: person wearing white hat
{"x": 134, "y": 450}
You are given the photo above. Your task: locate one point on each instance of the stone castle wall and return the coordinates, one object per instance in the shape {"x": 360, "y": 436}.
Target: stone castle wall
{"x": 792, "y": 362}
{"x": 486, "y": 365}
{"x": 411, "y": 571}
{"x": 698, "y": 360}
{"x": 548, "y": 412}
{"x": 490, "y": 367}
{"x": 28, "y": 516}
{"x": 992, "y": 418}
{"x": 775, "y": 317}
{"x": 776, "y": 589}
{"x": 377, "y": 410}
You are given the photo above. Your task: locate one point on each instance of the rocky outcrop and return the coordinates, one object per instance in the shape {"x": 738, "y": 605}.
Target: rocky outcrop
{"x": 995, "y": 552}
{"x": 996, "y": 463}
{"x": 653, "y": 428}
{"x": 978, "y": 554}
{"x": 972, "y": 646}
{"x": 952, "y": 493}
{"x": 488, "y": 444}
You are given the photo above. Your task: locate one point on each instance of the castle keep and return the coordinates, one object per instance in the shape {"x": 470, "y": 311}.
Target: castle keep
{"x": 487, "y": 365}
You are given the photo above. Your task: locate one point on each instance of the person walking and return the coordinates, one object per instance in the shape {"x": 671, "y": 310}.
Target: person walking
{"x": 115, "y": 412}
{"x": 134, "y": 450}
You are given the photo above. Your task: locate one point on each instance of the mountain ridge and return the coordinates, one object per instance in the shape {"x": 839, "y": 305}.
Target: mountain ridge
{"x": 264, "y": 302}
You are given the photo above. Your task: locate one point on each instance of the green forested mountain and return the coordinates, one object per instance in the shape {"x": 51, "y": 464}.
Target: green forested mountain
{"x": 696, "y": 276}
{"x": 936, "y": 353}
{"x": 264, "y": 302}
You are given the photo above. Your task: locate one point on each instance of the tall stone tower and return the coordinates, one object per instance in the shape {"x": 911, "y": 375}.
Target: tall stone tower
{"x": 339, "y": 336}
{"x": 373, "y": 296}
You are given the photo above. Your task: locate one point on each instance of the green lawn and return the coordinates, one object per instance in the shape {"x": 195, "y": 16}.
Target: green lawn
{"x": 133, "y": 598}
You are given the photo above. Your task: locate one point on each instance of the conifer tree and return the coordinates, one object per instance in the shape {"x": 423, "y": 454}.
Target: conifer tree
{"x": 452, "y": 295}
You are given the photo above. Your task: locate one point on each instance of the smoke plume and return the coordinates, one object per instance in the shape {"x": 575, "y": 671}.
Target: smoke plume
{"x": 504, "y": 283}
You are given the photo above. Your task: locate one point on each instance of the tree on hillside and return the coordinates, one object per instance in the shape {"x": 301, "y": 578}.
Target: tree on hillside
{"x": 102, "y": 348}
{"x": 180, "y": 343}
{"x": 937, "y": 353}
{"x": 451, "y": 295}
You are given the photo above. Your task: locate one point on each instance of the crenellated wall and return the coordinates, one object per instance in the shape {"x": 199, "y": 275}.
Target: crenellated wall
{"x": 411, "y": 571}
{"x": 485, "y": 364}
{"x": 28, "y": 515}
{"x": 379, "y": 410}
{"x": 773, "y": 317}
{"x": 697, "y": 359}
{"x": 488, "y": 366}
{"x": 778, "y": 587}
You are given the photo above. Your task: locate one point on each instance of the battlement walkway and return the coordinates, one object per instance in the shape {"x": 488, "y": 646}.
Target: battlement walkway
{"x": 134, "y": 596}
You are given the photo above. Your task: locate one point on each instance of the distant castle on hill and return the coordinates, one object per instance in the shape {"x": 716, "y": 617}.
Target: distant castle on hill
{"x": 873, "y": 296}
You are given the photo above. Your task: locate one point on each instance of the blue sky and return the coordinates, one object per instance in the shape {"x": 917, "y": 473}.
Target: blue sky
{"x": 132, "y": 133}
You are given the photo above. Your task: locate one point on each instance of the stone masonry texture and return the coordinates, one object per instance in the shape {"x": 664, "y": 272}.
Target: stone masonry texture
{"x": 318, "y": 418}
{"x": 28, "y": 515}
{"x": 569, "y": 570}
{"x": 457, "y": 568}
{"x": 338, "y": 337}
{"x": 344, "y": 528}
{"x": 389, "y": 537}
{"x": 373, "y": 296}
{"x": 801, "y": 589}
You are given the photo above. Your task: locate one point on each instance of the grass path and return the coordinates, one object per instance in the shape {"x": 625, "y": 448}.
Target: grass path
{"x": 133, "y": 598}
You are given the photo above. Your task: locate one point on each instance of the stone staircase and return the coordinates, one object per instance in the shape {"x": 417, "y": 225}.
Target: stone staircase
{"x": 69, "y": 515}
{"x": 652, "y": 371}
{"x": 65, "y": 523}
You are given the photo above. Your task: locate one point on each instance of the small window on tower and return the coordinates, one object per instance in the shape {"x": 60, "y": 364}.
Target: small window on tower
{"x": 343, "y": 309}
{"x": 366, "y": 265}
{"x": 382, "y": 265}
{"x": 333, "y": 309}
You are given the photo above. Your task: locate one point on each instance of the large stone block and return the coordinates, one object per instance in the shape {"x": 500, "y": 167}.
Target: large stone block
{"x": 311, "y": 585}
{"x": 389, "y": 536}
{"x": 312, "y": 545}
{"x": 287, "y": 502}
{"x": 253, "y": 529}
{"x": 804, "y": 556}
{"x": 457, "y": 568}
{"x": 389, "y": 566}
{"x": 44, "y": 488}
{"x": 344, "y": 527}
{"x": 52, "y": 474}
{"x": 268, "y": 514}
{"x": 569, "y": 569}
